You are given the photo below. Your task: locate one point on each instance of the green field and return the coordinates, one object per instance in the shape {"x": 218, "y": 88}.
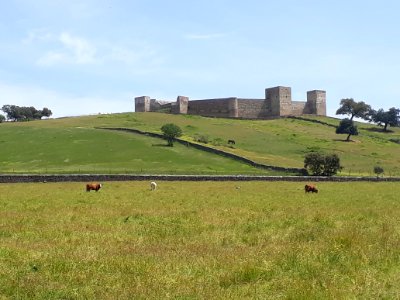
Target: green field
{"x": 200, "y": 240}
{"x": 56, "y": 149}
{"x": 73, "y": 145}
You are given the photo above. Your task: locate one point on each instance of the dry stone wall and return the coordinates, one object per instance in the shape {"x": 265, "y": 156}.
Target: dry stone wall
{"x": 125, "y": 177}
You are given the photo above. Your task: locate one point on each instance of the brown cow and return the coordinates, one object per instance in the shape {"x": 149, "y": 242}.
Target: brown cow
{"x": 93, "y": 186}
{"x": 310, "y": 188}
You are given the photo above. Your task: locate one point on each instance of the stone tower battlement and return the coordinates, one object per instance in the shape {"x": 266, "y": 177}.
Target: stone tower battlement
{"x": 277, "y": 103}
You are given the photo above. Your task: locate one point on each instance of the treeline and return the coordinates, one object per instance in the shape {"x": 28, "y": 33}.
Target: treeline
{"x": 364, "y": 111}
{"x": 24, "y": 113}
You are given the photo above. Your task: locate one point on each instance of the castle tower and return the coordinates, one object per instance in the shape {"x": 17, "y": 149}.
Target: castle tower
{"x": 316, "y": 103}
{"x": 142, "y": 104}
{"x": 182, "y": 103}
{"x": 280, "y": 100}
{"x": 233, "y": 108}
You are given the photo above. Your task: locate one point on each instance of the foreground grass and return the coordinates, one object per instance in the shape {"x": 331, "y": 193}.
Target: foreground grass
{"x": 208, "y": 240}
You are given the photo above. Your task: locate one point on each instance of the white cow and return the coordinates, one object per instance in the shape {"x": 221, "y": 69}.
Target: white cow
{"x": 153, "y": 186}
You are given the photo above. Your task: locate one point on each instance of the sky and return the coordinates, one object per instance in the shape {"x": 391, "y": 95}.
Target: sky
{"x": 80, "y": 57}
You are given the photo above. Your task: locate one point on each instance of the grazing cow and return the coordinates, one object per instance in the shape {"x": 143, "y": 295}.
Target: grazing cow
{"x": 153, "y": 186}
{"x": 231, "y": 142}
{"x": 93, "y": 186}
{"x": 310, "y": 188}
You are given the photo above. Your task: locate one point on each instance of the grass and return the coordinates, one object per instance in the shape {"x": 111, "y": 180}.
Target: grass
{"x": 200, "y": 240}
{"x": 279, "y": 142}
{"x": 31, "y": 149}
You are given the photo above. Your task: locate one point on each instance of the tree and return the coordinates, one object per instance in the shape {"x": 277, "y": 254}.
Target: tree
{"x": 2, "y": 118}
{"x": 347, "y": 126}
{"x": 322, "y": 165}
{"x": 46, "y": 112}
{"x": 170, "y": 132}
{"x": 378, "y": 170}
{"x": 385, "y": 118}
{"x": 354, "y": 109}
{"x": 17, "y": 113}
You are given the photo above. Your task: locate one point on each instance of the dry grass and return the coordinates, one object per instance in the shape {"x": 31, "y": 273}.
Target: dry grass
{"x": 199, "y": 240}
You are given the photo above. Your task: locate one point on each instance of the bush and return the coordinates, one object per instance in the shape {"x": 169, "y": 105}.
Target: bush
{"x": 322, "y": 165}
{"x": 201, "y": 138}
{"x": 378, "y": 170}
{"x": 217, "y": 142}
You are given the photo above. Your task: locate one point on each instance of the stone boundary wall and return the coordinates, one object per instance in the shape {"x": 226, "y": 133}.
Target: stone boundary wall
{"x": 215, "y": 151}
{"x": 311, "y": 120}
{"x": 26, "y": 178}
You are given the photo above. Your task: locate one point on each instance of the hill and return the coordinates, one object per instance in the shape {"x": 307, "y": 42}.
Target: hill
{"x": 74, "y": 145}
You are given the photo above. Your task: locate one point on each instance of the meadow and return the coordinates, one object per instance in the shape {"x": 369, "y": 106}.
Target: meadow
{"x": 55, "y": 150}
{"x": 200, "y": 240}
{"x": 73, "y": 145}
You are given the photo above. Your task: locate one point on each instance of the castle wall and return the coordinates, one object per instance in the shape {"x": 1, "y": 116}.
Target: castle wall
{"x": 298, "y": 108}
{"x": 280, "y": 99}
{"x": 278, "y": 102}
{"x": 222, "y": 108}
{"x": 316, "y": 101}
{"x": 253, "y": 108}
{"x": 142, "y": 104}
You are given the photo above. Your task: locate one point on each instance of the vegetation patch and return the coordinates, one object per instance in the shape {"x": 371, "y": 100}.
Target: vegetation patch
{"x": 199, "y": 240}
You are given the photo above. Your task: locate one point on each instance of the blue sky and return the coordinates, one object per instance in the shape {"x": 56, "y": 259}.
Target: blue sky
{"x": 88, "y": 56}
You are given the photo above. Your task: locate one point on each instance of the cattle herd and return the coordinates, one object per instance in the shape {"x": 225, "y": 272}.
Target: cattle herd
{"x": 153, "y": 186}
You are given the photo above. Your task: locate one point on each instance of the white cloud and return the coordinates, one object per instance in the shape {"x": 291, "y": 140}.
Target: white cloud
{"x": 40, "y": 34}
{"x": 74, "y": 50}
{"x": 82, "y": 50}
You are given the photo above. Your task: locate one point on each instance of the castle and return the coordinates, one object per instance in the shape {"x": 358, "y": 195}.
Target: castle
{"x": 277, "y": 103}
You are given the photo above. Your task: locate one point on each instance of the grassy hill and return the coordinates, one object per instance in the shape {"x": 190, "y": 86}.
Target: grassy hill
{"x": 74, "y": 145}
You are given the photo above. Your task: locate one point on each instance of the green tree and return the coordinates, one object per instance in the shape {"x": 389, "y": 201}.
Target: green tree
{"x": 46, "y": 112}
{"x": 354, "y": 109}
{"x": 385, "y": 118}
{"x": 170, "y": 132}
{"x": 347, "y": 126}
{"x": 23, "y": 113}
{"x": 378, "y": 170}
{"x": 2, "y": 118}
{"x": 322, "y": 165}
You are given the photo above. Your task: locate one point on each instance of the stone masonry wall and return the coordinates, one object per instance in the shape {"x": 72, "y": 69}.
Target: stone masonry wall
{"x": 298, "y": 108}
{"x": 253, "y": 109}
{"x": 278, "y": 102}
{"x": 124, "y": 177}
{"x": 221, "y": 108}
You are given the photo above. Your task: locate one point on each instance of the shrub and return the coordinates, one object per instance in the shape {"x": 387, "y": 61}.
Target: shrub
{"x": 201, "y": 138}
{"x": 322, "y": 165}
{"x": 378, "y": 170}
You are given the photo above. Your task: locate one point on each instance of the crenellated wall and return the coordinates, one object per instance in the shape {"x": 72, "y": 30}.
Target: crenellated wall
{"x": 278, "y": 102}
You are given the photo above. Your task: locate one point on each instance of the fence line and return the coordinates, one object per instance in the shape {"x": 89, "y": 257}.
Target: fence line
{"x": 125, "y": 177}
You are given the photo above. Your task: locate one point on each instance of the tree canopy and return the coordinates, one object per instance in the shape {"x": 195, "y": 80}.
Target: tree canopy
{"x": 347, "y": 126}
{"x": 354, "y": 109}
{"x": 23, "y": 113}
{"x": 170, "y": 132}
{"x": 385, "y": 118}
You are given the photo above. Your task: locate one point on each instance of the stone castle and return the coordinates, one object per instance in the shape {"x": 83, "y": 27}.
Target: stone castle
{"x": 277, "y": 103}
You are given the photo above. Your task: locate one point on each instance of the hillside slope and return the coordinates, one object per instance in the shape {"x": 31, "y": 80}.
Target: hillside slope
{"x": 279, "y": 142}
